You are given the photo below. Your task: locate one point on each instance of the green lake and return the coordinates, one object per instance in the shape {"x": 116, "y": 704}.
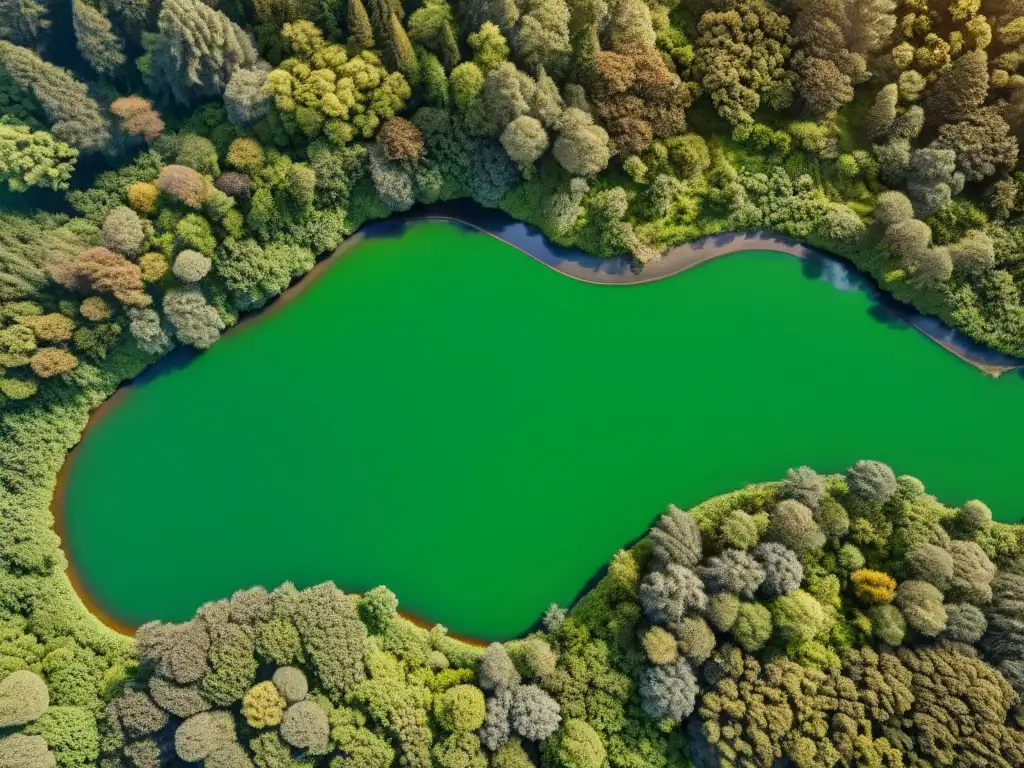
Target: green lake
{"x": 442, "y": 414}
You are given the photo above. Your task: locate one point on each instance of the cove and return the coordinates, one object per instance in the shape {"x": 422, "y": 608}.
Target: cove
{"x": 440, "y": 413}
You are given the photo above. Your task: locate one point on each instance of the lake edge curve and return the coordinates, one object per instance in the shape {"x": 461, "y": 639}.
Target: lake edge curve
{"x": 582, "y": 267}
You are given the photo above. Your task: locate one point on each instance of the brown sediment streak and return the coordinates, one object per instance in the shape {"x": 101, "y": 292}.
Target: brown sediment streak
{"x": 673, "y": 262}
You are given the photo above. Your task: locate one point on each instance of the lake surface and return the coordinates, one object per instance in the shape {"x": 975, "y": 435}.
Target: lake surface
{"x": 442, "y": 414}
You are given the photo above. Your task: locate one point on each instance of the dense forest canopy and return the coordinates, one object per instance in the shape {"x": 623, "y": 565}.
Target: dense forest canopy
{"x": 169, "y": 164}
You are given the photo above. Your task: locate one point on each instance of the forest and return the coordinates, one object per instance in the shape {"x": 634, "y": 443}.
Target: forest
{"x": 836, "y": 621}
{"x": 168, "y": 165}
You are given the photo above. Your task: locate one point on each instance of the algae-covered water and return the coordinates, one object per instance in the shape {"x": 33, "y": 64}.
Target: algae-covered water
{"x": 440, "y": 413}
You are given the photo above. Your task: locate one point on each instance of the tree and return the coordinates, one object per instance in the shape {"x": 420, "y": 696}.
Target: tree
{"x": 400, "y": 48}
{"x": 534, "y": 715}
{"x": 97, "y": 43}
{"x": 873, "y": 587}
{"x": 191, "y": 266}
{"x": 576, "y": 745}
{"x": 792, "y": 525}
{"x": 973, "y": 572}
{"x": 400, "y": 140}
{"x": 931, "y": 563}
{"x": 782, "y": 568}
{"x": 869, "y": 24}
{"x": 496, "y": 670}
{"x": 965, "y": 623}
{"x": 291, "y": 683}
{"x": 74, "y": 116}
{"x": 665, "y": 595}
{"x": 960, "y": 90}
{"x": 23, "y": 21}
{"x": 668, "y": 692}
{"x": 932, "y": 180}
{"x": 245, "y": 99}
{"x": 52, "y": 361}
{"x": 34, "y": 159}
{"x": 525, "y": 141}
{"x": 982, "y": 142}
{"x": 23, "y": 698}
{"x": 921, "y": 606}
{"x": 887, "y": 624}
{"x": 660, "y": 646}
{"x": 202, "y": 734}
{"x": 798, "y": 617}
{"x": 195, "y": 321}
{"x": 805, "y": 485}
{"x": 263, "y": 706}
{"x": 823, "y": 87}
{"x": 148, "y": 331}
{"x": 741, "y": 57}
{"x": 542, "y": 35}
{"x": 186, "y": 184}
{"x": 359, "y": 27}
{"x": 70, "y": 733}
{"x": 732, "y": 571}
{"x": 581, "y": 147}
{"x": 123, "y": 231}
{"x": 873, "y": 481}
{"x": 138, "y": 117}
{"x": 975, "y": 515}
{"x": 20, "y": 751}
{"x": 460, "y": 708}
{"x": 738, "y": 529}
{"x": 752, "y": 627}
{"x": 197, "y": 51}
{"x": 496, "y": 728}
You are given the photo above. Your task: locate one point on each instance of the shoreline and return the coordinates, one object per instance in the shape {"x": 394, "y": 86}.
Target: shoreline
{"x": 570, "y": 263}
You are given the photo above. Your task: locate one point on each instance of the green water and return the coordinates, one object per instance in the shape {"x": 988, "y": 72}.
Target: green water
{"x": 442, "y": 414}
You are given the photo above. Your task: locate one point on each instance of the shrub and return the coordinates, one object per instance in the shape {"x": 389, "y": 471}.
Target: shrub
{"x": 732, "y": 571}
{"x": 676, "y": 539}
{"x": 753, "y": 626}
{"x": 460, "y": 708}
{"x": 263, "y": 706}
{"x": 576, "y": 745}
{"x": 792, "y": 524}
{"x": 191, "y": 266}
{"x": 921, "y": 606}
{"x": 782, "y": 569}
{"x": 871, "y": 481}
{"x": 873, "y": 587}
{"x": 804, "y": 485}
{"x": 186, "y": 184}
{"x": 668, "y": 692}
{"x": 887, "y": 624}
{"x": 305, "y": 726}
{"x": 666, "y": 595}
{"x": 123, "y": 231}
{"x": 291, "y": 684}
{"x": 23, "y": 698}
{"x": 534, "y": 715}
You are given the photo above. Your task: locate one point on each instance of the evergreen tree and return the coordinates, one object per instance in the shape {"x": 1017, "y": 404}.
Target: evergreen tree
{"x": 74, "y": 116}
{"x": 359, "y": 29}
{"x": 403, "y": 57}
{"x": 197, "y": 51}
{"x": 22, "y": 21}
{"x": 97, "y": 43}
